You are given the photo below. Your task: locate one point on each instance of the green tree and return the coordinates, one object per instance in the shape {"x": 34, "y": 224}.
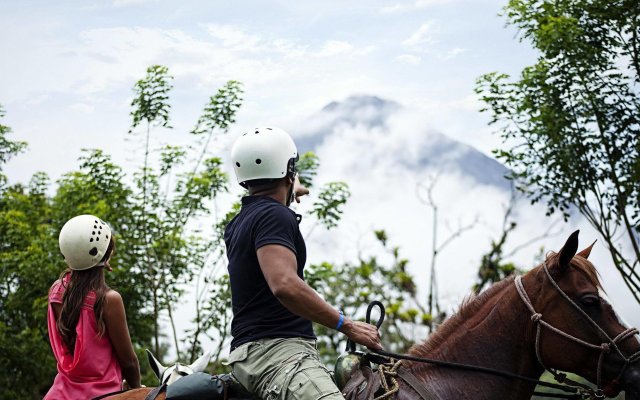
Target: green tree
{"x": 352, "y": 286}
{"x": 8, "y": 148}
{"x": 571, "y": 122}
{"x": 25, "y": 239}
{"x": 171, "y": 197}
{"x": 495, "y": 264}
{"x": 160, "y": 248}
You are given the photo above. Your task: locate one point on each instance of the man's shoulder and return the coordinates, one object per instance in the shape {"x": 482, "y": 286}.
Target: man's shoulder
{"x": 265, "y": 207}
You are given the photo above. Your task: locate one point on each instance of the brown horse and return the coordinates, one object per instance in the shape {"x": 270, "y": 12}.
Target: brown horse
{"x": 551, "y": 318}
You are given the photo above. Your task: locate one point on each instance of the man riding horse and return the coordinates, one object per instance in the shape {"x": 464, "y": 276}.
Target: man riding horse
{"x": 273, "y": 352}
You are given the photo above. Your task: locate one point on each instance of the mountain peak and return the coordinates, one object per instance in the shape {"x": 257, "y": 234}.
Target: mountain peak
{"x": 357, "y": 110}
{"x": 423, "y": 150}
{"x": 360, "y": 101}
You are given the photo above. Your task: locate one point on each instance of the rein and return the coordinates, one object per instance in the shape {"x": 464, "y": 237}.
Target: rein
{"x": 577, "y": 390}
{"x": 468, "y": 367}
{"x": 486, "y": 370}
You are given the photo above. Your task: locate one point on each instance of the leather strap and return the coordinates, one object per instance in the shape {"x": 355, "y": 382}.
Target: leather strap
{"x": 155, "y": 392}
{"x": 110, "y": 394}
{"x": 415, "y": 384}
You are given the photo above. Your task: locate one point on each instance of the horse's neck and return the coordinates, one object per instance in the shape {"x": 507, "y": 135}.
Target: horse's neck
{"x": 500, "y": 336}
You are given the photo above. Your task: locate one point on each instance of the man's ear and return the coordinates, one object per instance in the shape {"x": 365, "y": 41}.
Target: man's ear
{"x": 567, "y": 252}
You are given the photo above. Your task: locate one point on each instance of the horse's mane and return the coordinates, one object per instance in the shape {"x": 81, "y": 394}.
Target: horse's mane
{"x": 469, "y": 306}
{"x": 472, "y": 303}
{"x": 588, "y": 269}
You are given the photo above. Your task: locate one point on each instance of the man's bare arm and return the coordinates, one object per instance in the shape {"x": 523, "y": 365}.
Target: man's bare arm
{"x": 279, "y": 266}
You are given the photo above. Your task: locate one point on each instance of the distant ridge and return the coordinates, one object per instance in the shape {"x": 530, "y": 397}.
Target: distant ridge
{"x": 437, "y": 152}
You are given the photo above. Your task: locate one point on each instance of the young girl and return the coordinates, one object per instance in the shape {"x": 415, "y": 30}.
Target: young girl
{"x": 87, "y": 324}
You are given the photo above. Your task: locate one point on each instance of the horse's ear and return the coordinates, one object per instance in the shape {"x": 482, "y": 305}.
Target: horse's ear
{"x": 201, "y": 363}
{"x": 585, "y": 253}
{"x": 567, "y": 252}
{"x": 157, "y": 368}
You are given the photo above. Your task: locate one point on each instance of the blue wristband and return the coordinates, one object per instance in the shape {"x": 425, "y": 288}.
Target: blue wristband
{"x": 340, "y": 321}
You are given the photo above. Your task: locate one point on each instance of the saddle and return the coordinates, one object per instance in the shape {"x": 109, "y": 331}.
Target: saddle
{"x": 362, "y": 385}
{"x": 202, "y": 386}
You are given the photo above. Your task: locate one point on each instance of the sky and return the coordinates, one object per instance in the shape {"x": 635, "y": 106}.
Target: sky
{"x": 67, "y": 69}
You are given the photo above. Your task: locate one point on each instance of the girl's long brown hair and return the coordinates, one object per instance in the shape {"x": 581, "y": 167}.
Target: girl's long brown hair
{"x": 80, "y": 283}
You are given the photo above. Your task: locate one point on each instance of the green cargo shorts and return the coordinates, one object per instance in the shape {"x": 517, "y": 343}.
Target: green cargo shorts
{"x": 283, "y": 368}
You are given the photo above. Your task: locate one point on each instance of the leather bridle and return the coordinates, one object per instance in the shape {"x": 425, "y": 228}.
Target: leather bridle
{"x": 608, "y": 346}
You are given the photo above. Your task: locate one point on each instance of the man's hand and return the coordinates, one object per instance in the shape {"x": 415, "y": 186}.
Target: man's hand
{"x": 298, "y": 189}
{"x": 362, "y": 333}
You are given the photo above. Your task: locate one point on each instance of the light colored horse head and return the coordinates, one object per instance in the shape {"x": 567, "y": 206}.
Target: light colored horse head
{"x": 170, "y": 374}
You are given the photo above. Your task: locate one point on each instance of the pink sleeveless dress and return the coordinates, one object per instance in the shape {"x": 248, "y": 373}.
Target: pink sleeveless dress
{"x": 93, "y": 369}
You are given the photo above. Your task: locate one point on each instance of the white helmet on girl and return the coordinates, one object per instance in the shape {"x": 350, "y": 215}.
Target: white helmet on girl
{"x": 84, "y": 240}
{"x": 263, "y": 153}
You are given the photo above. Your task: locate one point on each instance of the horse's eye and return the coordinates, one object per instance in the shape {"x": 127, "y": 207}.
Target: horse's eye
{"x": 590, "y": 300}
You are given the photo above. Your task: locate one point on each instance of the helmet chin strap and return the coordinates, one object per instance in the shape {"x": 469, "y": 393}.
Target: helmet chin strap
{"x": 290, "y": 195}
{"x": 291, "y": 172}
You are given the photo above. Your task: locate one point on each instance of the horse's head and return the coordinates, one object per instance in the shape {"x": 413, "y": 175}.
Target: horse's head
{"x": 170, "y": 374}
{"x": 577, "y": 330}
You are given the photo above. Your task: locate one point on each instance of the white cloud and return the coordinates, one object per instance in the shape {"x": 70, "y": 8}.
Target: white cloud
{"x": 233, "y": 38}
{"x": 422, "y": 38}
{"x": 423, "y": 41}
{"x": 82, "y": 108}
{"x": 337, "y": 47}
{"x": 411, "y": 6}
{"x": 453, "y": 53}
{"x": 124, "y": 3}
{"x": 37, "y": 100}
{"x": 229, "y": 52}
{"x": 408, "y": 59}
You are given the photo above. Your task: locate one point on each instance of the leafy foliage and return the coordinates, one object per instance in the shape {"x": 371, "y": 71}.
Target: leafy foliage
{"x": 307, "y": 168}
{"x": 8, "y": 148}
{"x": 26, "y": 239}
{"x": 352, "y": 286}
{"x": 493, "y": 267}
{"x": 327, "y": 209}
{"x": 150, "y": 103}
{"x": 571, "y": 122}
{"x": 220, "y": 112}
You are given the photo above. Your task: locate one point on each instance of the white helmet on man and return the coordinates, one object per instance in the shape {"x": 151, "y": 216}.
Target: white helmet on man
{"x": 84, "y": 240}
{"x": 263, "y": 153}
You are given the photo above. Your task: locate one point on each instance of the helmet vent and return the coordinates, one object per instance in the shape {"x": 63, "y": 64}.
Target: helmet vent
{"x": 258, "y": 161}
{"x": 91, "y": 240}
{"x": 257, "y": 131}
{"x": 93, "y": 251}
{"x": 237, "y": 164}
{"x": 269, "y": 129}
